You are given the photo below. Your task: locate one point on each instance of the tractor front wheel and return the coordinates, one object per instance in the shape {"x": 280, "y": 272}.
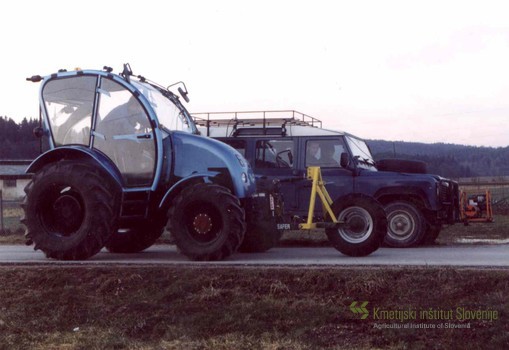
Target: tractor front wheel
{"x": 207, "y": 222}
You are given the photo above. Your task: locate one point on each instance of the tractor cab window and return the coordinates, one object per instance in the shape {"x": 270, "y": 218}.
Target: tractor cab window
{"x": 69, "y": 103}
{"x": 123, "y": 132}
{"x": 171, "y": 117}
{"x": 274, "y": 154}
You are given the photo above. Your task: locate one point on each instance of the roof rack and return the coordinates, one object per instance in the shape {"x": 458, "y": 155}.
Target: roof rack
{"x": 253, "y": 122}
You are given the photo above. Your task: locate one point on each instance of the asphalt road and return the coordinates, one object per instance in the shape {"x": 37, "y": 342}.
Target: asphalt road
{"x": 456, "y": 255}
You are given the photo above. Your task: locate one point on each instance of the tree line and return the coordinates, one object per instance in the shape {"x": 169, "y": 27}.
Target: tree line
{"x": 447, "y": 160}
{"x": 17, "y": 141}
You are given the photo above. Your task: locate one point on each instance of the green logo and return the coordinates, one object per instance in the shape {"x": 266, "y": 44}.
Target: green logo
{"x": 360, "y": 309}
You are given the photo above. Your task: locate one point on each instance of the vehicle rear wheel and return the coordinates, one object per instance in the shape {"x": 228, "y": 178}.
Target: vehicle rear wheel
{"x": 364, "y": 225}
{"x": 70, "y": 210}
{"x": 207, "y": 222}
{"x": 136, "y": 238}
{"x": 406, "y": 225}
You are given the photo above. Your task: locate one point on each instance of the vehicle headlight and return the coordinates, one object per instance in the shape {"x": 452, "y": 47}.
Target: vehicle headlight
{"x": 243, "y": 176}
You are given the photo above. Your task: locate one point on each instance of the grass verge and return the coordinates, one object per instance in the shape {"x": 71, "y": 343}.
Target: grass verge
{"x": 232, "y": 308}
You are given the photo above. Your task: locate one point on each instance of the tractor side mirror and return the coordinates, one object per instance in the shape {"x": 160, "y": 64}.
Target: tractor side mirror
{"x": 183, "y": 94}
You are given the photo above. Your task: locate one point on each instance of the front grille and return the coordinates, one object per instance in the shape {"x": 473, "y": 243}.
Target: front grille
{"x": 448, "y": 196}
{"x": 445, "y": 191}
{"x": 448, "y": 191}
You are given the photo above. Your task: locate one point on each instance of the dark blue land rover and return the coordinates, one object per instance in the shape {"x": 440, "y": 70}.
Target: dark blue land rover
{"x": 282, "y": 144}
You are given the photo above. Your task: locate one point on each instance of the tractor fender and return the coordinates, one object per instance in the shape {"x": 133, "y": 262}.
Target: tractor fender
{"x": 76, "y": 153}
{"x": 183, "y": 183}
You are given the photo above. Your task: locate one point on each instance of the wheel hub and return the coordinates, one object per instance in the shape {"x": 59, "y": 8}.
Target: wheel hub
{"x": 400, "y": 225}
{"x": 202, "y": 223}
{"x": 67, "y": 214}
{"x": 357, "y": 224}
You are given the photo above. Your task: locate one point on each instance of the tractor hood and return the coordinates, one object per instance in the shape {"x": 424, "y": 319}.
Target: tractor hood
{"x": 196, "y": 154}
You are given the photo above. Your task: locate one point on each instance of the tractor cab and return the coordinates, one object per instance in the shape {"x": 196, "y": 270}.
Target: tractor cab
{"x": 126, "y": 120}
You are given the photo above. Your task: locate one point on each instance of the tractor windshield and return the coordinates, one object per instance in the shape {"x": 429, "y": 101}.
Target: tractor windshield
{"x": 171, "y": 114}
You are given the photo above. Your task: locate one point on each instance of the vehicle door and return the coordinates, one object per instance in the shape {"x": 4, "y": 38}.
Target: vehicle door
{"x": 124, "y": 133}
{"x": 325, "y": 152}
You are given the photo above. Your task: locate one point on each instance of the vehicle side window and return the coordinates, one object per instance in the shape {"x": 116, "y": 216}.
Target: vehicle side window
{"x": 239, "y": 145}
{"x": 274, "y": 154}
{"x": 324, "y": 153}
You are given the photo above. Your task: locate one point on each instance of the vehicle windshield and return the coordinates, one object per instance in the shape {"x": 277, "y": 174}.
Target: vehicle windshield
{"x": 361, "y": 153}
{"x": 172, "y": 116}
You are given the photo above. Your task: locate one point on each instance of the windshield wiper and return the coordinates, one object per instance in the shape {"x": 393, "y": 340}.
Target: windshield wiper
{"x": 366, "y": 161}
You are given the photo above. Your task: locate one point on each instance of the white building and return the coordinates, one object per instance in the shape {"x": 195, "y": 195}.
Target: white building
{"x": 13, "y": 179}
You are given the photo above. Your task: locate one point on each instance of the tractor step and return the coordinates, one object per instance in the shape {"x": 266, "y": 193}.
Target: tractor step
{"x": 135, "y": 204}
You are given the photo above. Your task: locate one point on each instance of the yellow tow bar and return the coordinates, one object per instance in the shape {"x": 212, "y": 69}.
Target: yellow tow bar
{"x": 318, "y": 187}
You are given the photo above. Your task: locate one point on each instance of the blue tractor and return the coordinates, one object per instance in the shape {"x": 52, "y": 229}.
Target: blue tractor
{"x": 125, "y": 161}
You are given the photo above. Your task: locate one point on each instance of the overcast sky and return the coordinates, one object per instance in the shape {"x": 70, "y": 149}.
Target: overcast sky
{"x": 424, "y": 71}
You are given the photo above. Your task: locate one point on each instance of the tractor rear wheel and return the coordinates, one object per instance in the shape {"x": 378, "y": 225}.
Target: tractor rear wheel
{"x": 364, "y": 228}
{"x": 70, "y": 210}
{"x": 207, "y": 222}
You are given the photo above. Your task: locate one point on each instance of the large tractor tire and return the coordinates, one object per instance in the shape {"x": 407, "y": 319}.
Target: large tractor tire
{"x": 136, "y": 238}
{"x": 364, "y": 228}
{"x": 70, "y": 210}
{"x": 207, "y": 222}
{"x": 406, "y": 225}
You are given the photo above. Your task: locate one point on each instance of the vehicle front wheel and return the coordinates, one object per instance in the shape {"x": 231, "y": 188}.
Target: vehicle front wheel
{"x": 70, "y": 211}
{"x": 406, "y": 225}
{"x": 207, "y": 222}
{"x": 364, "y": 225}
